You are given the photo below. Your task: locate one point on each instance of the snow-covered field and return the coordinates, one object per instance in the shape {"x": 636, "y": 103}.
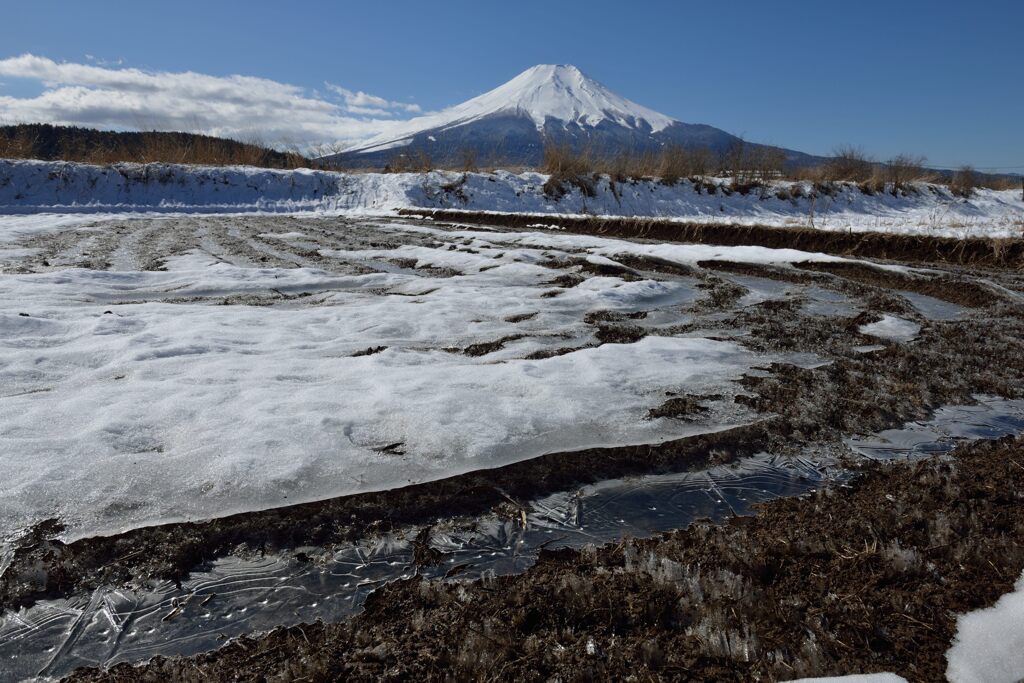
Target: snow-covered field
{"x": 28, "y": 187}
{"x": 132, "y": 396}
{"x": 202, "y": 364}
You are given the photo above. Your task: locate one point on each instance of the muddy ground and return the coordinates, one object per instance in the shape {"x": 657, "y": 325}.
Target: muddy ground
{"x": 861, "y": 579}
{"x": 813, "y": 586}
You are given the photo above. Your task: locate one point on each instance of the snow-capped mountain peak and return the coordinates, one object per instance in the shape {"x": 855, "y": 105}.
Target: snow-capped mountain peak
{"x": 546, "y": 94}
{"x": 564, "y": 93}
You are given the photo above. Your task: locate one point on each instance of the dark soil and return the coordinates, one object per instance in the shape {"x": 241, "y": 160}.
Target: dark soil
{"x": 619, "y": 334}
{"x": 758, "y": 270}
{"x": 862, "y": 579}
{"x": 921, "y": 248}
{"x": 369, "y": 351}
{"x": 521, "y": 317}
{"x": 567, "y": 280}
{"x": 483, "y": 348}
{"x": 595, "y": 317}
{"x": 720, "y": 293}
{"x": 654, "y": 264}
{"x": 679, "y": 407}
{"x": 551, "y": 353}
{"x": 609, "y": 269}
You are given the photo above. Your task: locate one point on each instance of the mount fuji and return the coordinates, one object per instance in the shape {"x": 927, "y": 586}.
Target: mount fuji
{"x": 546, "y": 103}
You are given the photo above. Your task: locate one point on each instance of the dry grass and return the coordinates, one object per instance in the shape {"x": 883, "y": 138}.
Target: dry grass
{"x": 899, "y": 172}
{"x": 563, "y": 160}
{"x": 750, "y": 166}
{"x": 754, "y": 167}
{"x": 1003, "y": 182}
{"x": 677, "y": 162}
{"x": 1000, "y": 245}
{"x": 848, "y": 163}
{"x": 964, "y": 182}
{"x": 564, "y": 165}
{"x": 469, "y": 160}
{"x": 419, "y": 161}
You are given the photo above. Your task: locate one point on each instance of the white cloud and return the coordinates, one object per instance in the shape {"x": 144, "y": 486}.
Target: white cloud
{"x": 234, "y": 106}
{"x": 360, "y": 100}
{"x": 369, "y": 111}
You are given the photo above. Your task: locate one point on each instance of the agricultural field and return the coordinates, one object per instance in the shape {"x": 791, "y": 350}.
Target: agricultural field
{"x": 331, "y": 441}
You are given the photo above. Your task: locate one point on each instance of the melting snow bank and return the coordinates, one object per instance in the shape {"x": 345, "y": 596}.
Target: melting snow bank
{"x": 989, "y": 644}
{"x": 35, "y": 186}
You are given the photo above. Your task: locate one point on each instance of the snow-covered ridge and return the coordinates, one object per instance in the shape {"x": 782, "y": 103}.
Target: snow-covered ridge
{"x": 28, "y": 187}
{"x": 547, "y": 91}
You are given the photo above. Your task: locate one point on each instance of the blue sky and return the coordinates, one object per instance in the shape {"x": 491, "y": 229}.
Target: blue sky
{"x": 941, "y": 79}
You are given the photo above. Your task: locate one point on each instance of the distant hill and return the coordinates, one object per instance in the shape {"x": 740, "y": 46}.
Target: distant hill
{"x": 66, "y": 143}
{"x": 545, "y": 104}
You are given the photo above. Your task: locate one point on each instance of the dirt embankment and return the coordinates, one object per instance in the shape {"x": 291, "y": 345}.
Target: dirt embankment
{"x": 861, "y": 579}
{"x": 1001, "y": 253}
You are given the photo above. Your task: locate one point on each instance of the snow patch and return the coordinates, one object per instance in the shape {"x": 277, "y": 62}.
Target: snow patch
{"x": 892, "y": 327}
{"x": 989, "y": 643}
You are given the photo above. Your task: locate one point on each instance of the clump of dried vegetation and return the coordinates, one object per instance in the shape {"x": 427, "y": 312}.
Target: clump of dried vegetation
{"x": 566, "y": 166}
{"x": 744, "y": 168}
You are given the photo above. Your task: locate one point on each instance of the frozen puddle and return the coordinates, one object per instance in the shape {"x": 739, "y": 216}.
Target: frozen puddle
{"x": 238, "y": 596}
{"x": 932, "y": 308}
{"x": 991, "y": 418}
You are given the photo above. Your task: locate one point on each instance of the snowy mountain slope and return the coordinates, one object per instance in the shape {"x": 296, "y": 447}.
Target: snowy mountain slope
{"x": 33, "y": 187}
{"x": 546, "y": 102}
{"x": 546, "y": 91}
